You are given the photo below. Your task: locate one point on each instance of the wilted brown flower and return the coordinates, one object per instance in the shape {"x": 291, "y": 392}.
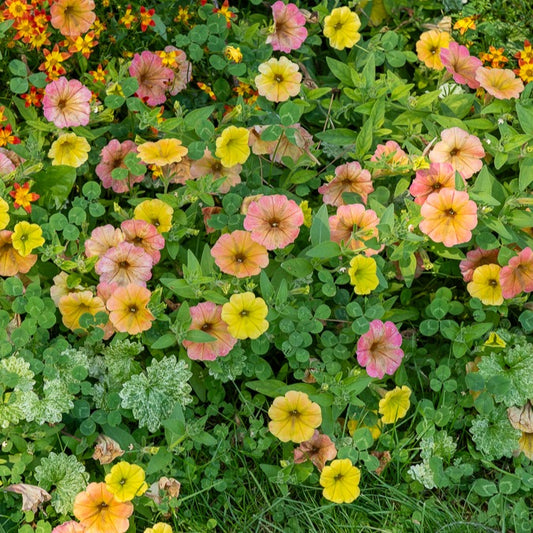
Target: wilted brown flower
{"x": 168, "y": 485}
{"x": 318, "y": 449}
{"x": 32, "y": 496}
{"x": 106, "y": 450}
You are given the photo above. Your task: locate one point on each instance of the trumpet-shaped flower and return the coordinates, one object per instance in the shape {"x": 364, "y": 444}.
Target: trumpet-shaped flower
{"x": 162, "y": 152}
{"x": 207, "y": 317}
{"x": 390, "y": 159}
{"x": 99, "y": 511}
{"x": 485, "y": 285}
{"x": 499, "y": 82}
{"x": 144, "y": 235}
{"x": 517, "y": 276}
{"x": 102, "y": 239}
{"x": 274, "y": 221}
{"x": 363, "y": 274}
{"x": 69, "y": 149}
{"x": 353, "y": 225}
{"x": 11, "y": 262}
{"x": 125, "y": 264}
{"x": 112, "y": 157}
{"x": 75, "y": 304}
{"x": 66, "y": 103}
{"x": 349, "y": 177}
{"x": 395, "y": 404}
{"x": 379, "y": 349}
{"x": 210, "y": 165}
{"x": 72, "y": 17}
{"x": 476, "y": 258}
{"x": 289, "y": 27}
{"x": 341, "y": 27}
{"x": 428, "y": 48}
{"x": 126, "y": 481}
{"x": 160, "y": 527}
{"x": 4, "y": 214}
{"x": 239, "y": 255}
{"x": 26, "y": 237}
{"x": 318, "y": 449}
{"x": 427, "y": 181}
{"x": 129, "y": 311}
{"x": 294, "y": 417}
{"x": 155, "y": 212}
{"x": 340, "y": 480}
{"x": 458, "y": 62}
{"x": 245, "y": 315}
{"x": 279, "y": 79}
{"x": 154, "y": 78}
{"x": 232, "y": 146}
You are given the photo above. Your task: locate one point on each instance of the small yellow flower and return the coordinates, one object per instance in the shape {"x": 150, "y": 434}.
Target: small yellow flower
{"x": 341, "y": 27}
{"x": 279, "y": 79}
{"x": 70, "y": 150}
{"x": 485, "y": 285}
{"x": 363, "y": 275}
{"x": 465, "y": 24}
{"x": 126, "y": 481}
{"x": 155, "y": 212}
{"x": 245, "y": 316}
{"x": 232, "y": 146}
{"x": 160, "y": 527}
{"x": 308, "y": 213}
{"x": 294, "y": 417}
{"x": 340, "y": 480}
{"x": 26, "y": 237}
{"x": 4, "y": 214}
{"x": 233, "y": 54}
{"x": 162, "y": 152}
{"x": 395, "y": 404}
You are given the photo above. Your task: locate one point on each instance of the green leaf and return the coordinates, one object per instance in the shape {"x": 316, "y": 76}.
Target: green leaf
{"x": 129, "y": 86}
{"x": 270, "y": 387}
{"x": 198, "y": 115}
{"x": 290, "y": 113}
{"x": 340, "y": 70}
{"x": 297, "y": 267}
{"x": 320, "y": 227}
{"x": 197, "y": 335}
{"x": 18, "y": 85}
{"x": 364, "y": 139}
{"x": 325, "y": 250}
{"x": 484, "y": 488}
{"x": 165, "y": 341}
{"x": 526, "y": 173}
{"x": 114, "y": 101}
{"x": 18, "y": 68}
{"x": 338, "y": 136}
{"x": 525, "y": 117}
{"x": 54, "y": 184}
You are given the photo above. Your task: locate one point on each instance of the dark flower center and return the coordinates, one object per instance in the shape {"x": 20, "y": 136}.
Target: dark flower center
{"x": 493, "y": 283}
{"x": 437, "y": 186}
{"x": 62, "y": 103}
{"x": 278, "y": 78}
{"x": 133, "y": 309}
{"x": 274, "y": 223}
{"x": 206, "y": 326}
{"x": 123, "y": 264}
{"x": 239, "y": 258}
{"x": 451, "y": 212}
{"x": 454, "y": 151}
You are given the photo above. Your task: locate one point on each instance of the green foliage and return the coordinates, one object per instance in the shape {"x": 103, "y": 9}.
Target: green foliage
{"x": 493, "y": 435}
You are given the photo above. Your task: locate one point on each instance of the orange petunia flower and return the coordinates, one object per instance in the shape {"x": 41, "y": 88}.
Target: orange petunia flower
{"x": 75, "y": 304}
{"x": 129, "y": 312}
{"x": 99, "y": 511}
{"x": 11, "y": 262}
{"x": 72, "y": 17}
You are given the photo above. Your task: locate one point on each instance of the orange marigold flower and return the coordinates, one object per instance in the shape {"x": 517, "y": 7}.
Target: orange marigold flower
{"x": 128, "y": 18}
{"x": 146, "y": 18}
{"x": 84, "y": 44}
{"x": 527, "y": 53}
{"x": 465, "y": 24}
{"x": 7, "y": 137}
{"x": 99, "y": 74}
{"x": 207, "y": 90}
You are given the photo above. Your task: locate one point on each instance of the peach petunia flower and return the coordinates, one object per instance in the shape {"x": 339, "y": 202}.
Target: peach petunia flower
{"x": 102, "y": 238}
{"x": 112, "y": 157}
{"x": 11, "y": 262}
{"x": 66, "y": 103}
{"x": 352, "y": 225}
{"x": 128, "y": 309}
{"x": 274, "y": 221}
{"x": 458, "y": 62}
{"x": 499, "y": 82}
{"x": 517, "y": 276}
{"x": 69, "y": 527}
{"x": 237, "y": 254}
{"x": 98, "y": 510}
{"x": 125, "y": 264}
{"x": 349, "y": 177}
{"x": 318, "y": 449}
{"x": 476, "y": 258}
{"x": 207, "y": 317}
{"x": 449, "y": 216}
{"x": 154, "y": 78}
{"x": 75, "y": 304}
{"x": 279, "y": 79}
{"x": 144, "y": 235}
{"x": 462, "y": 150}
{"x": 379, "y": 349}
{"x": 429, "y": 45}
{"x": 390, "y": 159}
{"x": 208, "y": 164}
{"x": 427, "y": 181}
{"x": 72, "y": 17}
{"x": 289, "y": 27}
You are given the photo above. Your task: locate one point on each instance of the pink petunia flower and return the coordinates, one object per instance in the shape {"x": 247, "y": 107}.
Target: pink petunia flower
{"x": 102, "y": 238}
{"x": 427, "y": 181}
{"x": 144, "y": 235}
{"x": 207, "y": 317}
{"x": 125, "y": 264}
{"x": 349, "y": 177}
{"x": 154, "y": 78}
{"x": 476, "y": 258}
{"x": 499, "y": 82}
{"x": 379, "y": 349}
{"x": 289, "y": 32}
{"x": 352, "y": 225}
{"x": 462, "y": 150}
{"x": 6, "y": 165}
{"x": 274, "y": 221}
{"x": 391, "y": 159}
{"x": 458, "y": 62}
{"x": 66, "y": 103}
{"x": 211, "y": 165}
{"x": 113, "y": 155}
{"x": 517, "y": 276}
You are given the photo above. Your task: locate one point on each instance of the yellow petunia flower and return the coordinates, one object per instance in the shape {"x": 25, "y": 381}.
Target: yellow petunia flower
{"x": 279, "y": 79}
{"x": 341, "y": 27}
{"x": 160, "y": 527}
{"x": 162, "y": 152}
{"x": 4, "y": 214}
{"x": 155, "y": 212}
{"x": 363, "y": 275}
{"x": 394, "y": 405}
{"x": 245, "y": 316}
{"x": 485, "y": 284}
{"x": 340, "y": 480}
{"x": 26, "y": 237}
{"x": 232, "y": 146}
{"x": 126, "y": 481}
{"x": 294, "y": 417}
{"x": 70, "y": 150}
